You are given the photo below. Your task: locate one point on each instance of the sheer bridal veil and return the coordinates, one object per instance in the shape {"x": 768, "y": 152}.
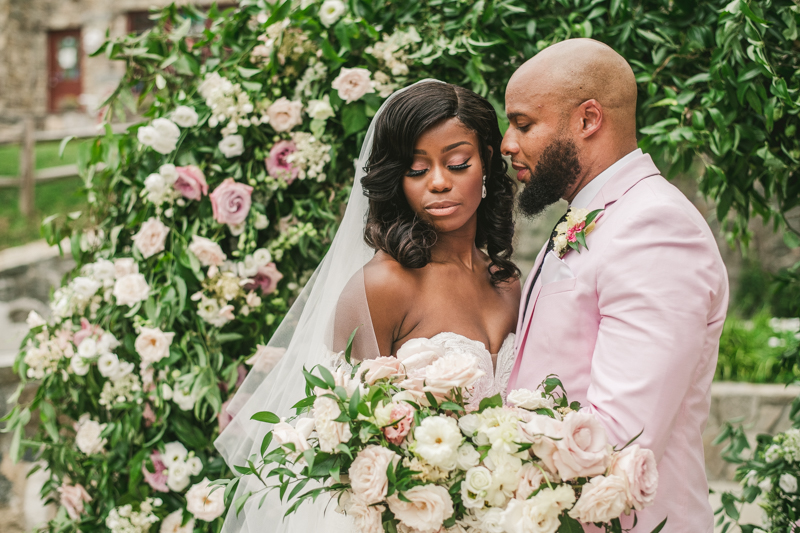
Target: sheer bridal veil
{"x": 306, "y": 334}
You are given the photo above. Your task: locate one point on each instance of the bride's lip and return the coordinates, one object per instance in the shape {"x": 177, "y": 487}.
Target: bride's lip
{"x": 442, "y": 208}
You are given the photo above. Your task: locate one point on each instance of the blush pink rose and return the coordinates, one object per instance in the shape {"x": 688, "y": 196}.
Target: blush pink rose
{"x": 158, "y": 479}
{"x": 543, "y": 432}
{"x": 380, "y": 368}
{"x": 577, "y": 228}
{"x": 403, "y": 413}
{"x": 638, "y": 466}
{"x": 368, "y": 473}
{"x": 191, "y": 182}
{"x": 427, "y": 508}
{"x": 72, "y": 498}
{"x": 266, "y": 279}
{"x": 230, "y": 202}
{"x": 87, "y": 330}
{"x": 583, "y": 449}
{"x": 277, "y": 165}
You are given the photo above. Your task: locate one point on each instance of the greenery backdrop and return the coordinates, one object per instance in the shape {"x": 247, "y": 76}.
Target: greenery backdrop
{"x": 718, "y": 83}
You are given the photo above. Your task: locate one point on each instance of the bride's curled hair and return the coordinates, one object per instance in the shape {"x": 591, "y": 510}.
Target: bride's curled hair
{"x": 392, "y": 226}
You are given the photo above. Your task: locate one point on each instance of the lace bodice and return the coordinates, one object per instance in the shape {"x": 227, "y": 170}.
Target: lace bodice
{"x": 494, "y": 380}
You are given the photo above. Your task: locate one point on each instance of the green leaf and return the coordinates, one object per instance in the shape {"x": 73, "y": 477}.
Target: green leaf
{"x": 314, "y": 380}
{"x": 63, "y": 145}
{"x": 353, "y": 406}
{"x": 660, "y": 526}
{"x": 248, "y": 72}
{"x": 492, "y": 401}
{"x": 569, "y": 524}
{"x": 327, "y": 376}
{"x": 354, "y": 118}
{"x": 266, "y": 416}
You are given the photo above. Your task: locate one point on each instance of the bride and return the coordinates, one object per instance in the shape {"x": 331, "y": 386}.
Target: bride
{"x": 423, "y": 251}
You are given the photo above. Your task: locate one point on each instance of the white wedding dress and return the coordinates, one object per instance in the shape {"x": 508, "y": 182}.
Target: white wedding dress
{"x": 495, "y": 377}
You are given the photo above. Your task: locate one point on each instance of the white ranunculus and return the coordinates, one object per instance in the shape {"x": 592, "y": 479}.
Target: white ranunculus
{"x": 131, "y": 289}
{"x": 157, "y": 188}
{"x": 262, "y": 257}
{"x": 765, "y": 485}
{"x": 87, "y": 437}
{"x": 530, "y": 400}
{"x": 85, "y": 287}
{"x": 151, "y": 237}
{"x": 469, "y": 424}
{"x": 152, "y": 344}
{"x": 330, "y": 11}
{"x": 427, "y": 509}
{"x": 174, "y": 452}
{"x": 368, "y": 473}
{"x": 232, "y": 146}
{"x": 167, "y": 135}
{"x": 108, "y": 364}
{"x": 320, "y": 109}
{"x": 35, "y": 320}
{"x": 352, "y": 84}
{"x": 603, "y": 499}
{"x": 438, "y": 439}
{"x": 203, "y": 503}
{"x": 172, "y": 523}
{"x": 195, "y": 465}
{"x": 169, "y": 173}
{"x": 419, "y": 353}
{"x": 184, "y": 400}
{"x": 248, "y": 267}
{"x": 147, "y": 135}
{"x": 207, "y": 251}
{"x": 107, "y": 343}
{"x": 79, "y": 365}
{"x": 88, "y": 348}
{"x": 788, "y": 483}
{"x": 468, "y": 456}
{"x": 125, "y": 266}
{"x": 178, "y": 477}
{"x": 185, "y": 116}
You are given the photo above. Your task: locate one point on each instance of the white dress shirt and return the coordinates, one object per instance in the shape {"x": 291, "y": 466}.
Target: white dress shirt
{"x": 553, "y": 268}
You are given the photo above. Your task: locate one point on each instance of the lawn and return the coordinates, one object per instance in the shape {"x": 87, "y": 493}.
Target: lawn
{"x": 58, "y": 196}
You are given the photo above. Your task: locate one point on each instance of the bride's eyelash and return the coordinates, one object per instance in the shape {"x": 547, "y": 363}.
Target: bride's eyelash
{"x": 415, "y": 173}
{"x": 462, "y": 166}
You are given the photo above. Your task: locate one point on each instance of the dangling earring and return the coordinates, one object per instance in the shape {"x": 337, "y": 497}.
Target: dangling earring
{"x": 483, "y": 192}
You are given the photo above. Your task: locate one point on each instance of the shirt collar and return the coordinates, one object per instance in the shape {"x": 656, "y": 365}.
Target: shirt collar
{"x": 587, "y": 194}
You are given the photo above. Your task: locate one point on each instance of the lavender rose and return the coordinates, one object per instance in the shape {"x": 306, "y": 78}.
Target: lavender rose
{"x": 278, "y": 166}
{"x": 266, "y": 279}
{"x": 230, "y": 202}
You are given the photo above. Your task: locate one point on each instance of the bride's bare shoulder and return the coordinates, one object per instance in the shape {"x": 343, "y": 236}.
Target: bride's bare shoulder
{"x": 384, "y": 275}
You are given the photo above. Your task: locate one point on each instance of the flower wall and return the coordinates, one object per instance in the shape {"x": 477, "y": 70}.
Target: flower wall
{"x": 207, "y": 217}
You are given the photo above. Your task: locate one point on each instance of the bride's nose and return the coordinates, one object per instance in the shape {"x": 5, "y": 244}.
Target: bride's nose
{"x": 439, "y": 181}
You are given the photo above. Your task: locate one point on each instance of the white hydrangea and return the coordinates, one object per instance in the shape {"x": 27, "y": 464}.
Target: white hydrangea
{"x": 790, "y": 444}
{"x": 43, "y": 358}
{"x": 393, "y": 50}
{"x": 124, "y": 519}
{"x": 310, "y": 157}
{"x": 316, "y": 72}
{"x": 228, "y": 102}
{"x": 125, "y": 389}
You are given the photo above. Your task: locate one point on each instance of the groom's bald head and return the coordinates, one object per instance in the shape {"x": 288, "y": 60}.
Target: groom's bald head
{"x": 572, "y": 113}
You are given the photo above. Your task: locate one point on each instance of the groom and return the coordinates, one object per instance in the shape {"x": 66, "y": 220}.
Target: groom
{"x": 630, "y": 323}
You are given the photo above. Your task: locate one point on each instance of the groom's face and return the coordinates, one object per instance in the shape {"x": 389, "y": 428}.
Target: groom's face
{"x": 542, "y": 151}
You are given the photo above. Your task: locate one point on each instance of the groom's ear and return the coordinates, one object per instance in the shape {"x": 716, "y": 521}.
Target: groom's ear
{"x": 590, "y": 113}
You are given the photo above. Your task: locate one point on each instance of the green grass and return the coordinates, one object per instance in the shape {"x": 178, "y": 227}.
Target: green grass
{"x": 46, "y": 156}
{"x": 59, "y": 196}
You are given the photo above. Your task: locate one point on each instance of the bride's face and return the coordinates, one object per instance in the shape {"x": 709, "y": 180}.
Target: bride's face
{"x": 444, "y": 184}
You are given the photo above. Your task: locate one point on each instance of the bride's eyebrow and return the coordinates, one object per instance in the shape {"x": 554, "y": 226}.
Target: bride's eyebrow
{"x": 445, "y": 149}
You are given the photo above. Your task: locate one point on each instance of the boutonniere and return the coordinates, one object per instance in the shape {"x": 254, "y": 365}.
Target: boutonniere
{"x": 572, "y": 232}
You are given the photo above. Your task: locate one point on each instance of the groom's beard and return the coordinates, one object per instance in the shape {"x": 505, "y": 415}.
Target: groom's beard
{"x": 557, "y": 170}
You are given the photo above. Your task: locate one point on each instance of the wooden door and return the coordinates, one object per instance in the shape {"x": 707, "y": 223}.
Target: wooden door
{"x": 64, "y": 64}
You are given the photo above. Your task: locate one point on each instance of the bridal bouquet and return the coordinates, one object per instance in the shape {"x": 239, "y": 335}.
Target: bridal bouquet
{"x": 401, "y": 447}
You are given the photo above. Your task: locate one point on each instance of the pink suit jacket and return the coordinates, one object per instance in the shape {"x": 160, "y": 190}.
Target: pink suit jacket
{"x": 634, "y": 335}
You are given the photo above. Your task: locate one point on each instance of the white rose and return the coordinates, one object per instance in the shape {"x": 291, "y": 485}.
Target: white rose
{"x": 330, "y": 11}
{"x": 427, "y": 509}
{"x": 169, "y": 173}
{"x": 108, "y": 364}
{"x": 87, "y": 437}
{"x": 320, "y": 109}
{"x": 419, "y": 353}
{"x": 287, "y": 434}
{"x": 262, "y": 257}
{"x": 172, "y": 523}
{"x": 352, "y": 84}
{"x": 79, "y": 366}
{"x": 124, "y": 267}
{"x": 203, "y": 503}
{"x": 765, "y": 485}
{"x": 195, "y": 465}
{"x": 178, "y": 478}
{"x": 151, "y": 237}
{"x": 174, "y": 452}
{"x": 185, "y": 116}
{"x": 330, "y": 433}
{"x": 368, "y": 473}
{"x": 35, "y": 320}
{"x": 285, "y": 114}
{"x": 583, "y": 449}
{"x": 534, "y": 515}
{"x": 261, "y": 221}
{"x": 107, "y": 343}
{"x": 475, "y": 486}
{"x": 469, "y": 424}
{"x": 152, "y": 344}
{"x": 147, "y": 135}
{"x": 468, "y": 457}
{"x": 530, "y": 400}
{"x": 248, "y": 267}
{"x": 207, "y": 251}
{"x": 232, "y": 146}
{"x": 184, "y": 400}
{"x": 88, "y": 348}
{"x": 457, "y": 370}
{"x": 167, "y": 135}
{"x": 85, "y": 287}
{"x": 131, "y": 289}
{"x": 603, "y": 499}
{"x": 490, "y": 520}
{"x": 438, "y": 439}
{"x": 788, "y": 483}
